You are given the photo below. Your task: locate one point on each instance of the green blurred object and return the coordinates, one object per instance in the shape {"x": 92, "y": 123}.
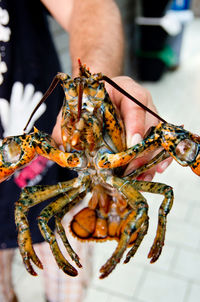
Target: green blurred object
{"x": 166, "y": 55}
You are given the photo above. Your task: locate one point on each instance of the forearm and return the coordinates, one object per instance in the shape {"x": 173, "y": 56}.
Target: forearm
{"x": 96, "y": 36}
{"x": 95, "y": 32}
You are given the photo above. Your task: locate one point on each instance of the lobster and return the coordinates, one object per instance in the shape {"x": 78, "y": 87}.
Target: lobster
{"x": 94, "y": 144}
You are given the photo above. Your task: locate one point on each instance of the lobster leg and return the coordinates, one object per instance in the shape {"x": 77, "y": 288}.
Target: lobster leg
{"x": 29, "y": 197}
{"x": 109, "y": 160}
{"x": 49, "y": 236}
{"x": 61, "y": 231}
{"x": 18, "y": 151}
{"x": 135, "y": 223}
{"x": 134, "y": 248}
{"x": 164, "y": 209}
{"x": 45, "y": 146}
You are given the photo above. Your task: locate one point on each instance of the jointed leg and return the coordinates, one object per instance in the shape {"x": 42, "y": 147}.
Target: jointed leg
{"x": 61, "y": 231}
{"x": 135, "y": 223}
{"x": 136, "y": 244}
{"x": 18, "y": 151}
{"x": 52, "y": 209}
{"x": 57, "y": 285}
{"x": 164, "y": 209}
{"x": 109, "y": 161}
{"x": 29, "y": 197}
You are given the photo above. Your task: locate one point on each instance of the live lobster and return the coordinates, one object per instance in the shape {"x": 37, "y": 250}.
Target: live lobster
{"x": 94, "y": 142}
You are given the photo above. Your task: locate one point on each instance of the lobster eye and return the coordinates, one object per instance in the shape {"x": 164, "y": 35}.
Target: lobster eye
{"x": 186, "y": 150}
{"x": 11, "y": 152}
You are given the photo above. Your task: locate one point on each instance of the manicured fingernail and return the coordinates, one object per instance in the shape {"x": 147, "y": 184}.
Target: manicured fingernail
{"x": 163, "y": 166}
{"x": 61, "y": 148}
{"x": 148, "y": 177}
{"x": 128, "y": 170}
{"x": 133, "y": 140}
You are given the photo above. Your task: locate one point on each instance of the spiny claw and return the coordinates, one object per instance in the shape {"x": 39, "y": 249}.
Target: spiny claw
{"x": 27, "y": 251}
{"x": 36, "y": 260}
{"x": 29, "y": 267}
{"x": 68, "y": 269}
{"x": 66, "y": 243}
{"x": 111, "y": 263}
{"x": 62, "y": 261}
{"x": 109, "y": 266}
{"x": 129, "y": 255}
{"x": 155, "y": 251}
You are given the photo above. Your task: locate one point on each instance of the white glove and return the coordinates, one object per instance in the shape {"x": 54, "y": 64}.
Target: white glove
{"x": 14, "y": 115}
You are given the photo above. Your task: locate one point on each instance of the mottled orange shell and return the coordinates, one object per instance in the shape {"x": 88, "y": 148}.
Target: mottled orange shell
{"x": 87, "y": 226}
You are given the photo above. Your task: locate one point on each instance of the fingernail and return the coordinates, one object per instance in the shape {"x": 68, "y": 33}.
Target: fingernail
{"x": 129, "y": 170}
{"x": 61, "y": 148}
{"x": 163, "y": 166}
{"x": 148, "y": 177}
{"x": 133, "y": 140}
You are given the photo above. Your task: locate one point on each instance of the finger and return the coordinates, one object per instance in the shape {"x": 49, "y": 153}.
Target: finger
{"x": 4, "y": 113}
{"x": 35, "y": 117}
{"x": 136, "y": 119}
{"x": 150, "y": 119}
{"x": 39, "y": 112}
{"x": 160, "y": 168}
{"x": 16, "y": 95}
{"x": 140, "y": 162}
{"x": 28, "y": 94}
{"x": 36, "y": 98}
{"x": 129, "y": 111}
{"x": 164, "y": 165}
{"x": 56, "y": 134}
{"x": 135, "y": 164}
{"x": 147, "y": 176}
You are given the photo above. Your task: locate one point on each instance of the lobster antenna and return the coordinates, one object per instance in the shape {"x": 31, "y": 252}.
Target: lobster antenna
{"x": 80, "y": 97}
{"x": 52, "y": 86}
{"x": 111, "y": 82}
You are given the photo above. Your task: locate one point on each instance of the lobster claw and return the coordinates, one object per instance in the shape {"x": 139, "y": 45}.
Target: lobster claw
{"x": 14, "y": 154}
{"x": 9, "y": 154}
{"x": 196, "y": 166}
{"x": 187, "y": 151}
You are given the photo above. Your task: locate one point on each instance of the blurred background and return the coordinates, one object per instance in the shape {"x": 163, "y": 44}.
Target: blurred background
{"x": 163, "y": 53}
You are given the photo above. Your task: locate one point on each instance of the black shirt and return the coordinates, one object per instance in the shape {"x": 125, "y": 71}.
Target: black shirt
{"x": 28, "y": 57}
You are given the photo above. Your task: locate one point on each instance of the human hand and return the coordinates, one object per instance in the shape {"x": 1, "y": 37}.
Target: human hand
{"x": 136, "y": 120}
